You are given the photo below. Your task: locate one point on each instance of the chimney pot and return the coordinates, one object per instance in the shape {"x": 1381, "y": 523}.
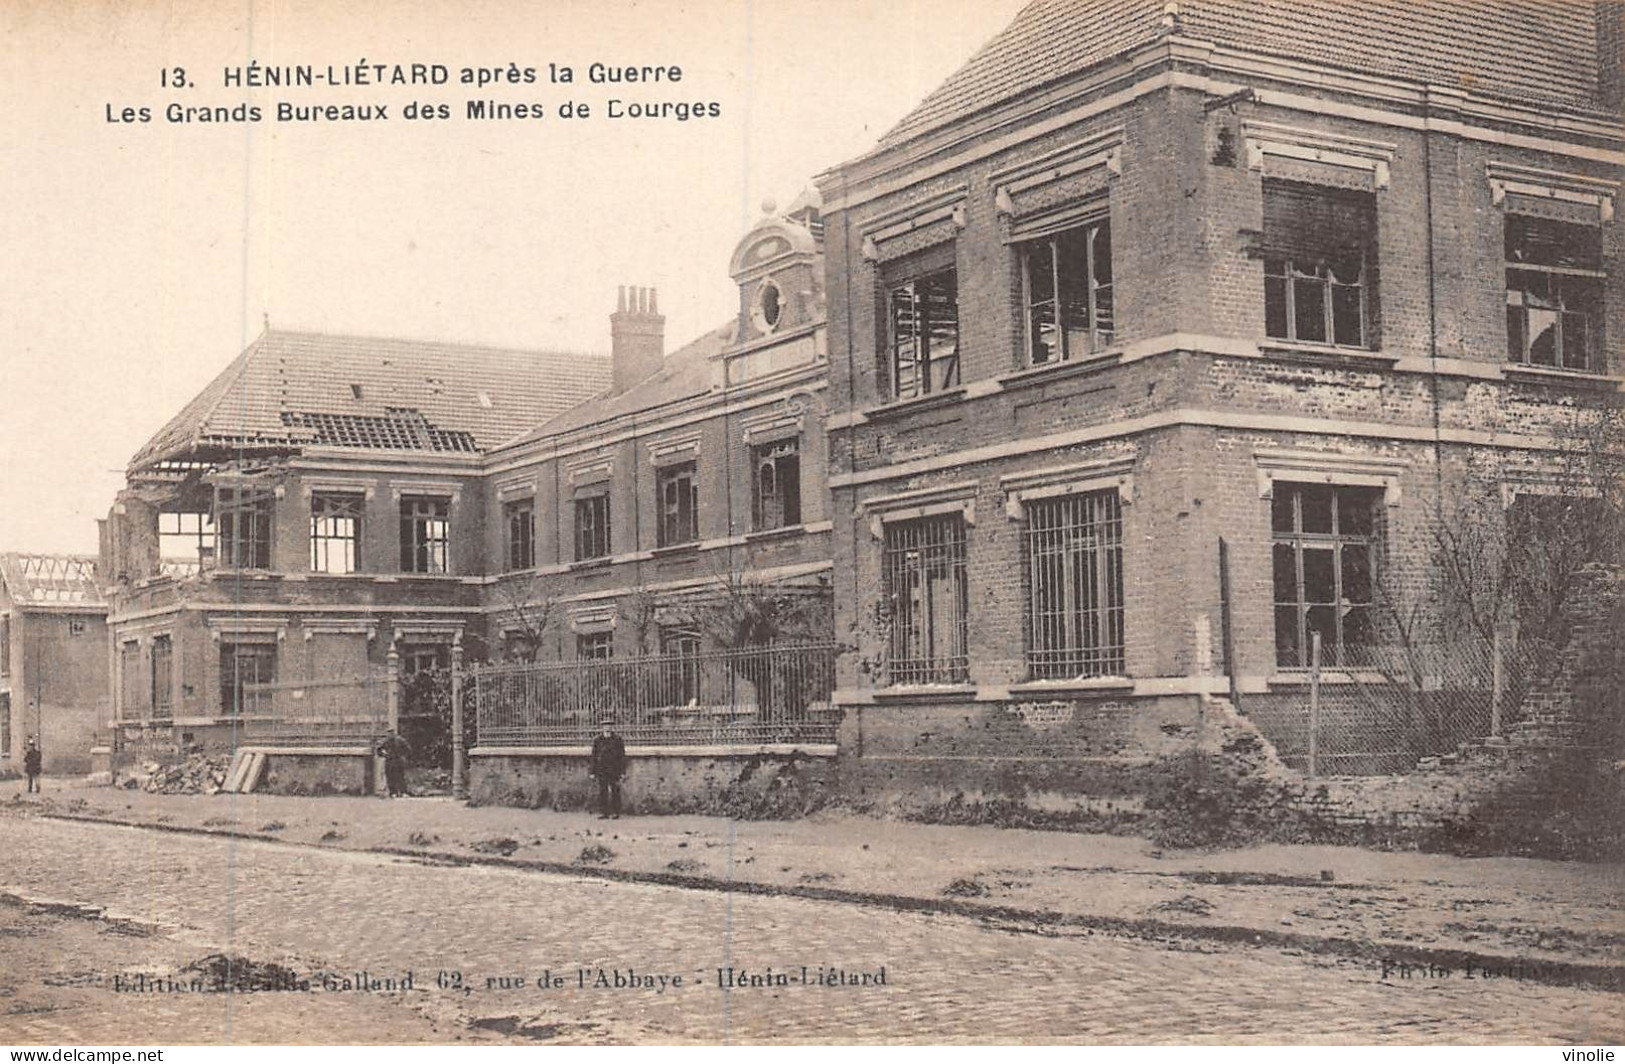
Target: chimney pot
{"x": 637, "y": 337}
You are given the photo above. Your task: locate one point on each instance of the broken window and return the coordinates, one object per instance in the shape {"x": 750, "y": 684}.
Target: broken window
{"x": 185, "y": 538}
{"x": 425, "y": 534}
{"x": 335, "y": 532}
{"x": 678, "y": 497}
{"x": 1324, "y": 572}
{"x": 592, "y": 526}
{"x": 247, "y": 671}
{"x": 519, "y": 518}
{"x": 595, "y": 646}
{"x": 777, "y": 501}
{"x": 163, "y": 678}
{"x": 928, "y": 600}
{"x": 922, "y": 333}
{"x": 243, "y": 518}
{"x": 1075, "y": 585}
{"x": 1319, "y": 264}
{"x": 1067, "y": 281}
{"x": 129, "y": 676}
{"x": 418, "y": 658}
{"x": 1554, "y": 292}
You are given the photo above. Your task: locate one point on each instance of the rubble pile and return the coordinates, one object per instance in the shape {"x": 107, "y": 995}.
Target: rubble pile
{"x": 198, "y": 774}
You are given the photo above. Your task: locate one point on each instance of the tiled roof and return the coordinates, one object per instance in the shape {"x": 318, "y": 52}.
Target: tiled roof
{"x": 50, "y": 580}
{"x": 298, "y": 388}
{"x": 1532, "y": 51}
{"x": 687, "y": 372}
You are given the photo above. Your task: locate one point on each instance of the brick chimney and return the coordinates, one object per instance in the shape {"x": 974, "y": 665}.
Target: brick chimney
{"x": 637, "y": 337}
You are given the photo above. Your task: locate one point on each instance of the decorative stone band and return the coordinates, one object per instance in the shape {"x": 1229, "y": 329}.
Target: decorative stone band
{"x": 337, "y": 486}
{"x": 1550, "y": 194}
{"x": 313, "y": 627}
{"x": 674, "y": 449}
{"x": 259, "y": 630}
{"x": 419, "y": 631}
{"x": 516, "y": 489}
{"x": 599, "y": 617}
{"x": 1054, "y": 182}
{"x": 1328, "y": 467}
{"x": 1076, "y": 479}
{"x": 593, "y": 472}
{"x": 1318, "y": 158}
{"x": 880, "y": 510}
{"x": 398, "y": 489}
{"x": 916, "y": 225}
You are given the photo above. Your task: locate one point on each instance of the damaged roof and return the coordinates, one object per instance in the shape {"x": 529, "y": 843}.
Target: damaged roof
{"x": 297, "y": 389}
{"x": 1538, "y": 53}
{"x": 687, "y": 372}
{"x": 50, "y": 580}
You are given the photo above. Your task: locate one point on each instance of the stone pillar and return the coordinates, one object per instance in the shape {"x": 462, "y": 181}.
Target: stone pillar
{"x": 459, "y": 756}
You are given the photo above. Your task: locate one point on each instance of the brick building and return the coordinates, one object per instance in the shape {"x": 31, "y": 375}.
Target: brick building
{"x": 1143, "y": 275}
{"x": 317, "y": 506}
{"x": 331, "y": 506}
{"x": 53, "y": 659}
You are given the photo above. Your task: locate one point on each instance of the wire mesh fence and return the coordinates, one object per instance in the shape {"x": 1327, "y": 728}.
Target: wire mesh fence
{"x": 1382, "y": 709}
{"x": 773, "y": 694}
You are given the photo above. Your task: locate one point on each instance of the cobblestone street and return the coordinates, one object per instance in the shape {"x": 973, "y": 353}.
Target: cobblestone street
{"x": 171, "y": 900}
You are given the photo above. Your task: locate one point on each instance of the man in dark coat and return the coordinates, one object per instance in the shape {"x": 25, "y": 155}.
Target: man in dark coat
{"x": 608, "y": 766}
{"x": 392, "y": 748}
{"x": 31, "y": 765}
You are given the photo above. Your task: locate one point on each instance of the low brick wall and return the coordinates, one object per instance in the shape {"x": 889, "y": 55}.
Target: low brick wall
{"x": 1080, "y": 761}
{"x": 760, "y": 781}
{"x": 318, "y": 774}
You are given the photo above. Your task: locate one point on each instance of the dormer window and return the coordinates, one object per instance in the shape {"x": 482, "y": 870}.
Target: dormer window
{"x": 768, "y": 308}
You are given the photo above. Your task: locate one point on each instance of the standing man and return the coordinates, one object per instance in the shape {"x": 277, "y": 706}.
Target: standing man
{"x": 393, "y": 750}
{"x": 31, "y": 764}
{"x": 608, "y": 766}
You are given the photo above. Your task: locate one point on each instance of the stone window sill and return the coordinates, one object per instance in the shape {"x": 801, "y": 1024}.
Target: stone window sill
{"x": 1324, "y": 353}
{"x": 925, "y": 692}
{"x": 1054, "y": 371}
{"x": 902, "y": 407}
{"x": 1570, "y": 378}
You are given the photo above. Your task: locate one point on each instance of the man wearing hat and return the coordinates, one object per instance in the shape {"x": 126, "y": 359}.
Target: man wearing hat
{"x": 608, "y": 766}
{"x": 31, "y": 764}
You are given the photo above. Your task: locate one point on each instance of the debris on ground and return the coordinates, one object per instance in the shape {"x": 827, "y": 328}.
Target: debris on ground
{"x": 197, "y": 774}
{"x": 966, "y": 888}
{"x": 685, "y": 864}
{"x": 503, "y": 846}
{"x": 1185, "y": 903}
{"x": 596, "y": 855}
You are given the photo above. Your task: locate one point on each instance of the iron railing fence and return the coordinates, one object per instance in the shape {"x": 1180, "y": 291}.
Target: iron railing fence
{"x": 345, "y": 711}
{"x": 772, "y": 694}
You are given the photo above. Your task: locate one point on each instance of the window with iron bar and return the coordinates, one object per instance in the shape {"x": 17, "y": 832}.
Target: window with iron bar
{"x": 923, "y": 565}
{"x": 163, "y": 676}
{"x": 1319, "y": 259}
{"x": 1067, "y": 282}
{"x": 425, "y": 534}
{"x": 1555, "y": 284}
{"x": 244, "y": 668}
{"x": 1324, "y": 572}
{"x": 1075, "y": 586}
{"x": 592, "y": 526}
{"x": 778, "y": 485}
{"x": 243, "y": 517}
{"x": 335, "y": 532}
{"x": 678, "y": 496}
{"x": 922, "y": 334}
{"x": 520, "y": 518}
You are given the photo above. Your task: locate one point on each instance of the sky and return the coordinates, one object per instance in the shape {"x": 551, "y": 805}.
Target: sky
{"x": 138, "y": 258}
